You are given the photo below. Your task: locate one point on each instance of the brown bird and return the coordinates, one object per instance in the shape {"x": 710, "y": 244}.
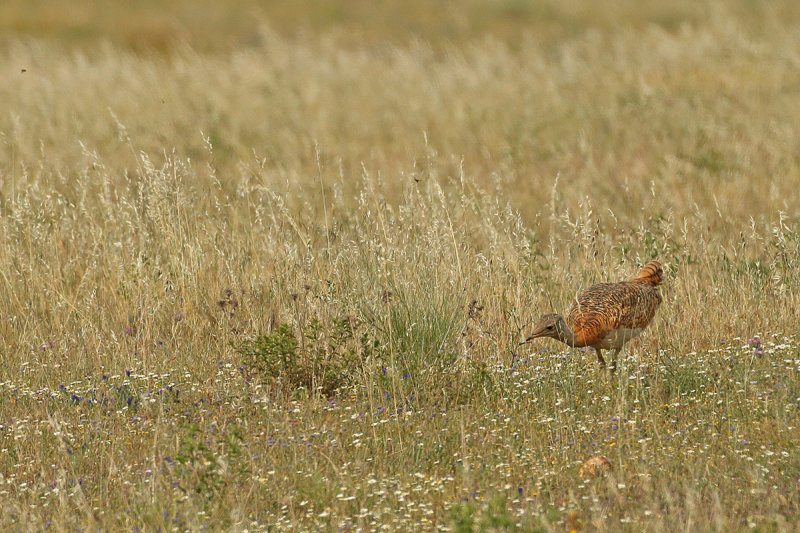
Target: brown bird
{"x": 606, "y": 315}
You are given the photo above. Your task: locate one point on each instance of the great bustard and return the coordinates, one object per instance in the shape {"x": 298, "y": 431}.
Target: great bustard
{"x": 606, "y": 315}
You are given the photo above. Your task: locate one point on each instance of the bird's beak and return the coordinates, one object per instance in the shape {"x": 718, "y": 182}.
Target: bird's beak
{"x": 536, "y": 334}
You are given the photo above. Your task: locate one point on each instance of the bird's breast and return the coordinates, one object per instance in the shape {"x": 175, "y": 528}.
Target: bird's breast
{"x": 616, "y": 338}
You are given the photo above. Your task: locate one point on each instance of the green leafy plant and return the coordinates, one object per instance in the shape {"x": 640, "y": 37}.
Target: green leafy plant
{"x": 321, "y": 358}
{"x": 210, "y": 466}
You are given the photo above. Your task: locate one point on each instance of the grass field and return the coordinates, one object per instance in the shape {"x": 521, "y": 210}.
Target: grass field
{"x": 266, "y": 266}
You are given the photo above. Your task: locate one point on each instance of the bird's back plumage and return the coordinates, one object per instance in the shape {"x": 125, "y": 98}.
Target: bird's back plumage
{"x": 606, "y": 315}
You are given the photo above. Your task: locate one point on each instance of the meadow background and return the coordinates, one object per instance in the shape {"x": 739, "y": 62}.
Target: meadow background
{"x": 266, "y": 265}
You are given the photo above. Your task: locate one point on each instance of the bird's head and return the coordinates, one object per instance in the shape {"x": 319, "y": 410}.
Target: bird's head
{"x": 550, "y": 325}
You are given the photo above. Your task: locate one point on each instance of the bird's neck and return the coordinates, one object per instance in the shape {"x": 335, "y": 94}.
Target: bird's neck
{"x": 565, "y": 334}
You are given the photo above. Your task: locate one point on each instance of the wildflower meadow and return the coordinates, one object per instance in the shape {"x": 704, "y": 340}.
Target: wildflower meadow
{"x": 268, "y": 266}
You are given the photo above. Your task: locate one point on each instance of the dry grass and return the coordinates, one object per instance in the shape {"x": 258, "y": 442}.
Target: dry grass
{"x": 412, "y": 204}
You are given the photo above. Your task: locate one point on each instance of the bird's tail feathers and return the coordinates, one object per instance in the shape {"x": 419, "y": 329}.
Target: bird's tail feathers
{"x": 651, "y": 274}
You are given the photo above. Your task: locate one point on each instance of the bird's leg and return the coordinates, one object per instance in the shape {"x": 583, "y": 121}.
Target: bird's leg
{"x": 614, "y": 360}
{"x": 600, "y": 357}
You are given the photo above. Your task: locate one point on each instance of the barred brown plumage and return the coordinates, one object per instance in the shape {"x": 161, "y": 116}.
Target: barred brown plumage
{"x": 606, "y": 315}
